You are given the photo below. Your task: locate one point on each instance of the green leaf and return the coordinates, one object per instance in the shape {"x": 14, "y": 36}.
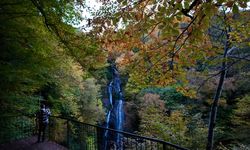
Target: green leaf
{"x": 186, "y": 5}
{"x": 179, "y": 6}
{"x": 235, "y": 9}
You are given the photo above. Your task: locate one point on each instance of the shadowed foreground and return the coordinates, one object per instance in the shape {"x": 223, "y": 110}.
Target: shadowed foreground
{"x": 72, "y": 134}
{"x": 30, "y": 144}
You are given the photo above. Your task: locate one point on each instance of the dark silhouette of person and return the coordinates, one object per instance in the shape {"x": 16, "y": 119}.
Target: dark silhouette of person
{"x": 43, "y": 121}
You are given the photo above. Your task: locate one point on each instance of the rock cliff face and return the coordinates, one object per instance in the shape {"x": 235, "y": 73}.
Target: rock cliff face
{"x": 131, "y": 122}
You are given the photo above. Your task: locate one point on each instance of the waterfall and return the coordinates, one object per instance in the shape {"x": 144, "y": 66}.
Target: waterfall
{"x": 110, "y": 95}
{"x": 107, "y": 125}
{"x": 115, "y": 114}
{"x": 108, "y": 114}
{"x": 119, "y": 123}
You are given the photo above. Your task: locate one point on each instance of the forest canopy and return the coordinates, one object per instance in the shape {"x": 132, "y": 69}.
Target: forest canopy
{"x": 184, "y": 63}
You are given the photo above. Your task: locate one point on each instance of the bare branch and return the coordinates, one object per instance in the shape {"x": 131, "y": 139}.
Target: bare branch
{"x": 205, "y": 81}
{"x": 241, "y": 58}
{"x": 226, "y": 68}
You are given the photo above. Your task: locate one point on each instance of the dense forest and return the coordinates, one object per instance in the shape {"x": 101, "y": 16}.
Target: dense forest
{"x": 184, "y": 65}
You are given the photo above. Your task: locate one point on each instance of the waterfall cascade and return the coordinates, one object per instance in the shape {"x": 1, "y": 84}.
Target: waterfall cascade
{"x": 115, "y": 114}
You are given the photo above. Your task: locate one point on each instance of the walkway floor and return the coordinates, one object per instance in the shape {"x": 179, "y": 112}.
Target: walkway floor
{"x": 30, "y": 144}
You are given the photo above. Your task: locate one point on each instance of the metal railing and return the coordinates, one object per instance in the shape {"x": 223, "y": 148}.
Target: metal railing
{"x": 77, "y": 135}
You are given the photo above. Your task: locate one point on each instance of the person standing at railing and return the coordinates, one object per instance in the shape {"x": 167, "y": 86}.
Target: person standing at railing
{"x": 43, "y": 121}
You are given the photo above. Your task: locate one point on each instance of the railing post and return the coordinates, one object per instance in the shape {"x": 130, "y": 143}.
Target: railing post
{"x": 49, "y": 130}
{"x": 164, "y": 146}
{"x": 68, "y": 133}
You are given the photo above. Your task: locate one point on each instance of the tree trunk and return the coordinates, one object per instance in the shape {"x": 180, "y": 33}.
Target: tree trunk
{"x": 214, "y": 107}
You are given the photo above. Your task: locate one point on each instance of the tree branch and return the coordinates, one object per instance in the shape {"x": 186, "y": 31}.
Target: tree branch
{"x": 241, "y": 58}
{"x": 37, "y": 4}
{"x": 226, "y": 68}
{"x": 175, "y": 43}
{"x": 151, "y": 31}
{"x": 186, "y": 11}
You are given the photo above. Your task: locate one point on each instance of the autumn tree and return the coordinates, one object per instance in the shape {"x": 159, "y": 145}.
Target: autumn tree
{"x": 166, "y": 39}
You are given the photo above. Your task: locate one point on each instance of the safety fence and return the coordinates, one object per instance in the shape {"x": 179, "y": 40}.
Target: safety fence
{"x": 77, "y": 135}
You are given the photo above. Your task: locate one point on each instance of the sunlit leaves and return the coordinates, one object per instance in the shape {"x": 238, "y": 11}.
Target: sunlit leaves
{"x": 89, "y": 103}
{"x": 155, "y": 122}
{"x": 156, "y": 30}
{"x": 43, "y": 56}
